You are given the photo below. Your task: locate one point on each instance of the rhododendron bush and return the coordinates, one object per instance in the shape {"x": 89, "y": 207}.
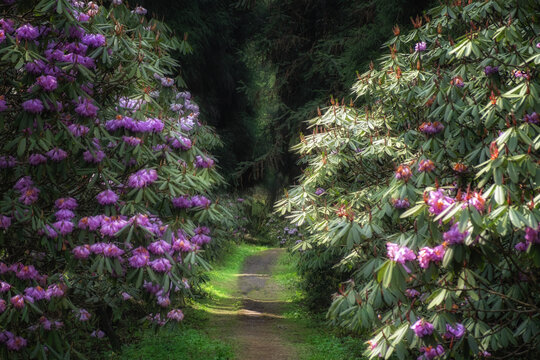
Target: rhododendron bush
{"x": 105, "y": 175}
{"x": 430, "y": 189}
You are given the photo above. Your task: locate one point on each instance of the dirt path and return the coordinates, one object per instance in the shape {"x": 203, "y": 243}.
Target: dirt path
{"x": 251, "y": 319}
{"x": 260, "y": 330}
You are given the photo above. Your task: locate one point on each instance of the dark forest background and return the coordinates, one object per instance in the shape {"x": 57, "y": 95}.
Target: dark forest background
{"x": 259, "y": 69}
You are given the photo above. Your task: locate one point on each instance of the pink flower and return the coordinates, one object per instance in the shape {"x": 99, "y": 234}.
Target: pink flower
{"x": 420, "y": 46}
{"x": 426, "y": 255}
{"x": 399, "y": 254}
{"x": 403, "y": 172}
{"x": 426, "y": 166}
{"x": 107, "y": 197}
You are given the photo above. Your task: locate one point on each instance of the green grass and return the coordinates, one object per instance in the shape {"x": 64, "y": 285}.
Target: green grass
{"x": 319, "y": 341}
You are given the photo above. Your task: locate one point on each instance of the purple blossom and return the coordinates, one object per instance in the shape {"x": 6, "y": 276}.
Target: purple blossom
{"x": 34, "y": 106}
{"x": 4, "y": 287}
{"x": 167, "y": 82}
{"x": 36, "y": 159}
{"x": 5, "y": 222}
{"x": 126, "y": 296}
{"x": 399, "y": 254}
{"x": 491, "y": 70}
{"x": 431, "y": 352}
{"x": 7, "y": 162}
{"x": 182, "y": 202}
{"x": 47, "y": 82}
{"x": 64, "y": 214}
{"x": 142, "y": 178}
{"x": 438, "y": 201}
{"x": 86, "y": 108}
{"x": 422, "y": 328}
{"x": 7, "y": 25}
{"x": 132, "y": 140}
{"x": 81, "y": 252}
{"x": 454, "y": 236}
{"x": 56, "y": 154}
{"x": 205, "y": 162}
{"x": 29, "y": 195}
{"x": 95, "y": 40}
{"x": 319, "y": 191}
{"x": 107, "y": 197}
{"x": 426, "y": 166}
{"x": 159, "y": 247}
{"x": 66, "y": 203}
{"x": 2, "y": 305}
{"x": 420, "y": 46}
{"x": 3, "y": 104}
{"x": 532, "y": 236}
{"x": 175, "y": 314}
{"x": 27, "y": 32}
{"x": 95, "y": 156}
{"x": 112, "y": 251}
{"x": 401, "y": 203}
{"x": 454, "y": 332}
{"x": 16, "y": 343}
{"x": 64, "y": 227}
{"x": 97, "y": 334}
{"x": 427, "y": 255}
{"x": 160, "y": 265}
{"x": 78, "y": 130}
{"x": 139, "y": 10}
{"x": 521, "y": 246}
{"x": 17, "y": 301}
{"x": 140, "y": 258}
{"x": 411, "y": 293}
{"x": 532, "y": 118}
{"x": 200, "y": 201}
{"x": 431, "y": 128}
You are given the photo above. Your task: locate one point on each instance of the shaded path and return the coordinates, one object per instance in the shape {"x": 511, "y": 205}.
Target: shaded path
{"x": 260, "y": 329}
{"x": 251, "y": 319}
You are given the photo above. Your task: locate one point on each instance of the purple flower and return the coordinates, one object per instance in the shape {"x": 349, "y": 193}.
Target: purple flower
{"x": 454, "y": 236}
{"x": 47, "y": 82}
{"x": 399, "y": 254}
{"x": 126, "y": 296}
{"x": 531, "y": 118}
{"x": 438, "y": 201}
{"x": 454, "y": 332}
{"x": 431, "y": 128}
{"x": 34, "y": 106}
{"x": 95, "y": 40}
{"x": 532, "y": 236}
{"x": 4, "y": 287}
{"x": 491, "y": 70}
{"x": 182, "y": 202}
{"x": 167, "y": 82}
{"x": 97, "y": 334}
{"x": 16, "y": 343}
{"x": 201, "y": 162}
{"x": 411, "y": 293}
{"x": 23, "y": 183}
{"x": 159, "y": 247}
{"x": 160, "y": 265}
{"x": 56, "y": 154}
{"x": 111, "y": 251}
{"x": 27, "y": 32}
{"x": 86, "y": 108}
{"x": 107, "y": 197}
{"x": 81, "y": 252}
{"x": 64, "y": 214}
{"x": 17, "y": 301}
{"x": 140, "y": 258}
{"x": 175, "y": 314}
{"x": 431, "y": 352}
{"x": 142, "y": 178}
{"x": 426, "y": 166}
{"x": 95, "y": 156}
{"x": 401, "y": 203}
{"x": 36, "y": 159}
{"x": 29, "y": 195}
{"x": 64, "y": 227}
{"x": 7, "y": 162}
{"x": 422, "y": 328}
{"x": 521, "y": 246}
{"x": 7, "y": 25}
{"x": 3, "y": 104}
{"x": 420, "y": 46}
{"x": 2, "y": 36}
{"x": 78, "y": 130}
{"x": 139, "y": 10}
{"x": 319, "y": 191}
{"x": 200, "y": 201}
{"x": 426, "y": 255}
{"x": 132, "y": 140}
{"x": 66, "y": 203}
{"x": 2, "y": 305}
{"x": 5, "y": 222}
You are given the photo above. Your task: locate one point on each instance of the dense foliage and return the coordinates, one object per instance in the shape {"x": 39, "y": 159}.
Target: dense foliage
{"x": 105, "y": 177}
{"x": 429, "y": 192}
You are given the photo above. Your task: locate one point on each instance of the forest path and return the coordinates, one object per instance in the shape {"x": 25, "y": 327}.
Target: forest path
{"x": 252, "y": 318}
